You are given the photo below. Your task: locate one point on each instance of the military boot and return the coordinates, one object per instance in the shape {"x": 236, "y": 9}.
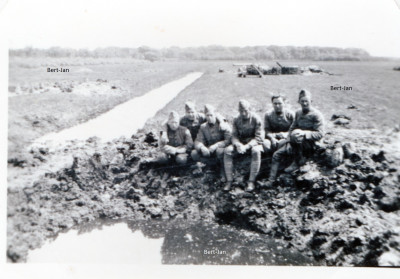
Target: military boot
{"x": 222, "y": 174}
{"x": 272, "y": 174}
{"x": 250, "y": 186}
{"x": 268, "y": 184}
{"x": 228, "y": 186}
{"x": 293, "y": 167}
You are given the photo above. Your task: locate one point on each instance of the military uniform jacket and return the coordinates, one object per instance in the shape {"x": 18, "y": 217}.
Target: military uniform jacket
{"x": 219, "y": 133}
{"x": 193, "y": 125}
{"x": 247, "y": 130}
{"x": 274, "y": 123}
{"x": 311, "y": 122}
{"x": 180, "y": 138}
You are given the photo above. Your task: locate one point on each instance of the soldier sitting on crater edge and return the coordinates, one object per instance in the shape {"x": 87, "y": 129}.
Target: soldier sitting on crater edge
{"x": 175, "y": 141}
{"x": 247, "y": 137}
{"x": 212, "y": 138}
{"x": 277, "y": 123}
{"x": 192, "y": 119}
{"x": 307, "y": 128}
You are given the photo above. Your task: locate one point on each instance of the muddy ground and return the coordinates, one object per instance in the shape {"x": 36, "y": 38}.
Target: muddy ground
{"x": 345, "y": 215}
{"x": 332, "y": 215}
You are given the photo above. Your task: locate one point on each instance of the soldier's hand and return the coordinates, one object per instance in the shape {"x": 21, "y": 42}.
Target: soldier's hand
{"x": 170, "y": 150}
{"x": 236, "y": 145}
{"x": 240, "y": 149}
{"x": 212, "y": 148}
{"x": 180, "y": 150}
{"x": 163, "y": 140}
{"x": 280, "y": 136}
{"x": 205, "y": 151}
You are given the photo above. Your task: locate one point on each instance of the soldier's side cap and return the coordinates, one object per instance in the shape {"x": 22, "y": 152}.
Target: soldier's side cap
{"x": 304, "y": 93}
{"x": 173, "y": 115}
{"x": 244, "y": 104}
{"x": 190, "y": 105}
{"x": 209, "y": 109}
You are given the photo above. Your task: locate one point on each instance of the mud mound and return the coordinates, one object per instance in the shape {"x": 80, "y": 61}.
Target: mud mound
{"x": 341, "y": 213}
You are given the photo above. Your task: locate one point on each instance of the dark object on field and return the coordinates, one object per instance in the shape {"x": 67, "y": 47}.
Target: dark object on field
{"x": 220, "y": 70}
{"x": 352, "y": 107}
{"x": 113, "y": 87}
{"x": 396, "y": 68}
{"x": 336, "y": 116}
{"x": 249, "y": 69}
{"x": 341, "y": 122}
{"x": 340, "y": 119}
{"x": 151, "y": 139}
{"x": 15, "y": 162}
{"x": 380, "y": 157}
{"x": 292, "y": 70}
{"x": 101, "y": 80}
{"x": 315, "y": 69}
{"x": 272, "y": 71}
{"x": 259, "y": 70}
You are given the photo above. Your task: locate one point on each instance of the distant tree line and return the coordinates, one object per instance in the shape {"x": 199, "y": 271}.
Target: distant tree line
{"x": 214, "y": 52}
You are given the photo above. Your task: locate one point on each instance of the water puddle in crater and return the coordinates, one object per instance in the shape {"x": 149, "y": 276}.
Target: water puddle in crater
{"x": 115, "y": 244}
{"x": 165, "y": 242}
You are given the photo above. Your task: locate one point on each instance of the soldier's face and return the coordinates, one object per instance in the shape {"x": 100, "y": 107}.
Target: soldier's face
{"x": 210, "y": 117}
{"x": 244, "y": 112}
{"x": 190, "y": 113}
{"x": 173, "y": 125}
{"x": 278, "y": 105}
{"x": 305, "y": 103}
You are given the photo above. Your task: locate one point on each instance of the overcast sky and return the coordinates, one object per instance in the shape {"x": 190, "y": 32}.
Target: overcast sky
{"x": 370, "y": 24}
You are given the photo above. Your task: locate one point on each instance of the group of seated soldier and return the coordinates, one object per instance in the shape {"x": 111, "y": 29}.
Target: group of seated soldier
{"x": 210, "y": 135}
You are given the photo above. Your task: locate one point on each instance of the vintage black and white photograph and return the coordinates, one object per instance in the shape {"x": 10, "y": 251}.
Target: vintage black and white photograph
{"x": 261, "y": 133}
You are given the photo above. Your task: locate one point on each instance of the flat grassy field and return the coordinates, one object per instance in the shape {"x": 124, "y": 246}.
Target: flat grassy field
{"x": 40, "y": 107}
{"x": 34, "y": 112}
{"x": 375, "y": 92}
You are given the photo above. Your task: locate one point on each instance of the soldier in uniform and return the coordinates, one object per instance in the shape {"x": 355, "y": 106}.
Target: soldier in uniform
{"x": 212, "y": 138}
{"x": 192, "y": 119}
{"x": 175, "y": 141}
{"x": 276, "y": 124}
{"x": 247, "y": 137}
{"x": 307, "y": 128}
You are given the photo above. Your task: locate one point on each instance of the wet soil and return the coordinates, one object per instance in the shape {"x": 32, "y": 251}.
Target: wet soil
{"x": 332, "y": 211}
